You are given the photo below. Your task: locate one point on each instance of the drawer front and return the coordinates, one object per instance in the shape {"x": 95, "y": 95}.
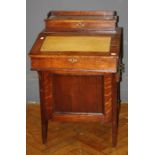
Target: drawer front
{"x": 79, "y": 25}
{"x": 104, "y": 64}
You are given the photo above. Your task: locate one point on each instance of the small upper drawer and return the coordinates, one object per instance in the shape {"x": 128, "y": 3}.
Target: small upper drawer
{"x": 73, "y": 25}
{"x": 80, "y": 21}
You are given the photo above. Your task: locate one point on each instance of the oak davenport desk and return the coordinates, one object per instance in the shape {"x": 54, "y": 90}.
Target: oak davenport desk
{"x": 77, "y": 57}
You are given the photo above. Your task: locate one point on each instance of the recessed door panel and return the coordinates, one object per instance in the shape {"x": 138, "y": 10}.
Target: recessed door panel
{"x": 78, "y": 94}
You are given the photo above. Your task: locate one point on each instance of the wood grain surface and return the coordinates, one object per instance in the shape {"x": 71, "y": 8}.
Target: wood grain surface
{"x": 80, "y": 20}
{"x": 74, "y": 94}
{"x": 82, "y": 13}
{"x": 75, "y": 138}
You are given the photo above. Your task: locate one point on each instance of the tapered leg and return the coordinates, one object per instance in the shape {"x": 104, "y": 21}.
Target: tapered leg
{"x": 44, "y": 126}
{"x": 114, "y": 111}
{"x": 45, "y": 83}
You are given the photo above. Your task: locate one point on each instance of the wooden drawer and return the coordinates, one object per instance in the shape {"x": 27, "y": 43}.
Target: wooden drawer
{"x": 72, "y": 25}
{"x": 96, "y": 63}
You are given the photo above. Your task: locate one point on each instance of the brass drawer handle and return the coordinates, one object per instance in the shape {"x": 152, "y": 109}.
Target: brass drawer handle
{"x": 80, "y": 25}
{"x": 72, "y": 60}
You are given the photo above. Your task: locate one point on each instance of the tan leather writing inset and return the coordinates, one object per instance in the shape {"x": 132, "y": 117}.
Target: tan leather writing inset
{"x": 76, "y": 43}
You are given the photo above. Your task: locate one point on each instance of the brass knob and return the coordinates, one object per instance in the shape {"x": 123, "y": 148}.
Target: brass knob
{"x": 72, "y": 60}
{"x": 80, "y": 25}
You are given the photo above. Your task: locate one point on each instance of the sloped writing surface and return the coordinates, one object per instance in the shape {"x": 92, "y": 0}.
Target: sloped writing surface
{"x": 76, "y": 43}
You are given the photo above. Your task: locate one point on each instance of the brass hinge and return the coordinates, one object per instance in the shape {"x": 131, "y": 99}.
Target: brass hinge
{"x": 121, "y": 67}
